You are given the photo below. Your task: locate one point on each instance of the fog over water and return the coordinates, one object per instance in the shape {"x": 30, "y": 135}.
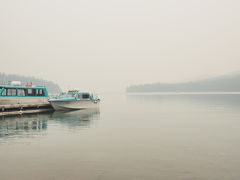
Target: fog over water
{"x": 107, "y": 45}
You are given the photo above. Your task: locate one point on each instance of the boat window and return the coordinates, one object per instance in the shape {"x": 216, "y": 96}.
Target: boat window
{"x": 4, "y": 93}
{"x": 39, "y": 92}
{"x": 13, "y": 92}
{"x": 31, "y": 92}
{"x": 85, "y": 96}
{"x": 9, "y": 92}
{"x": 21, "y": 92}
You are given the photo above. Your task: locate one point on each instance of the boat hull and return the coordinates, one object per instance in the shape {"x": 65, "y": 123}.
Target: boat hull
{"x": 8, "y": 100}
{"x": 74, "y": 105}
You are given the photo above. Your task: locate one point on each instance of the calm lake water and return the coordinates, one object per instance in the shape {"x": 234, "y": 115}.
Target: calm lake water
{"x": 131, "y": 137}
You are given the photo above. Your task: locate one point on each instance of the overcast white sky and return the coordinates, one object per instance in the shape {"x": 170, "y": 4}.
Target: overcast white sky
{"x": 106, "y": 45}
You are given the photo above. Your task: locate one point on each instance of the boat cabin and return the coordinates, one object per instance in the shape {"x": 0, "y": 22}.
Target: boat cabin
{"x": 79, "y": 95}
{"x": 23, "y": 91}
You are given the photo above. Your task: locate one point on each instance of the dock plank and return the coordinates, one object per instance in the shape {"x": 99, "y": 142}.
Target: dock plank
{"x": 24, "y": 112}
{"x": 23, "y": 105}
{"x": 16, "y": 109}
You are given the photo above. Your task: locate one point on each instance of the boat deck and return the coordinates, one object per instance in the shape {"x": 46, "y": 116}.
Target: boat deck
{"x": 15, "y": 109}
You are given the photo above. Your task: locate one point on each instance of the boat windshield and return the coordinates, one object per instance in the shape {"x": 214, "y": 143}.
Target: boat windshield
{"x": 70, "y": 95}
{"x": 66, "y": 95}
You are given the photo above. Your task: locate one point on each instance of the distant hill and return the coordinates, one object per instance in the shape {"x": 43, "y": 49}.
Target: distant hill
{"x": 226, "y": 83}
{"x": 52, "y": 87}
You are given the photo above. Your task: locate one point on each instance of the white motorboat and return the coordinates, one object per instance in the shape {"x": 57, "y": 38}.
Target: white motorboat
{"x": 74, "y": 100}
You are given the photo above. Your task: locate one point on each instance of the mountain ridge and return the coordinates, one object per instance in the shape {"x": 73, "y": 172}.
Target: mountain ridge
{"x": 224, "y": 83}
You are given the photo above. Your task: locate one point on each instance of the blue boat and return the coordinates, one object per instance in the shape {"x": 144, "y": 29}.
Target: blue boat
{"x": 17, "y": 94}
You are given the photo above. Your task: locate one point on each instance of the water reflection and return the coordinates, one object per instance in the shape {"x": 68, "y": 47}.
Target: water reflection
{"x": 23, "y": 125}
{"x": 76, "y": 119}
{"x": 38, "y": 124}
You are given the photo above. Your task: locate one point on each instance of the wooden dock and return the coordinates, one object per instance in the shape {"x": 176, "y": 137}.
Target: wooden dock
{"x": 18, "y": 109}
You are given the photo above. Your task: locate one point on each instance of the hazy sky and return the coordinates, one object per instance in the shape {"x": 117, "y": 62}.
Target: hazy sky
{"x": 107, "y": 45}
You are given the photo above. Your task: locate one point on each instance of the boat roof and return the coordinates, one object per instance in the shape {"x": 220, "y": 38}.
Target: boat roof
{"x": 23, "y": 87}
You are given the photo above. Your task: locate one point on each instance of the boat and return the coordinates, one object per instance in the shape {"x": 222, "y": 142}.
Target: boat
{"x": 74, "y": 100}
{"x": 15, "y": 93}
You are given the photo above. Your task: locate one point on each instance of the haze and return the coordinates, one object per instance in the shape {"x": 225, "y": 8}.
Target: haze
{"x": 107, "y": 45}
